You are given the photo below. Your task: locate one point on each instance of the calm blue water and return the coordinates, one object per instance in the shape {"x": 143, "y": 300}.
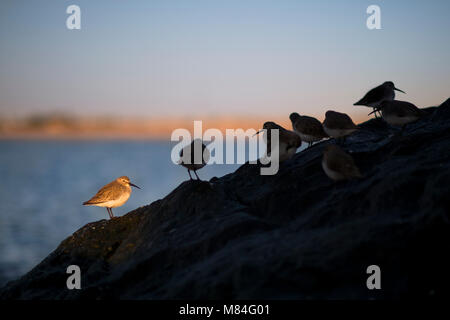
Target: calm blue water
{"x": 43, "y": 185}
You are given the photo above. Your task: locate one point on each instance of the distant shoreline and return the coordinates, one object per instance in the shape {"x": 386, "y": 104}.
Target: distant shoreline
{"x": 62, "y": 127}
{"x": 81, "y": 137}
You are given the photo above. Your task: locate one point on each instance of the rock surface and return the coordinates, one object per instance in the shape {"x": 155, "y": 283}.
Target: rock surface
{"x": 294, "y": 235}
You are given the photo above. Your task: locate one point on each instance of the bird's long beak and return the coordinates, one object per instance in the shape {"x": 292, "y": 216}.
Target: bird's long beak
{"x": 258, "y": 132}
{"x": 133, "y": 185}
{"x": 399, "y": 90}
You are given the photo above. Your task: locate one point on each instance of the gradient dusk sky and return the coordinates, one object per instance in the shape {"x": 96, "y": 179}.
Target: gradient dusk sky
{"x": 202, "y": 58}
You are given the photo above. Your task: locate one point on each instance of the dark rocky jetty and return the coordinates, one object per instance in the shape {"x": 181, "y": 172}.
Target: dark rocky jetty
{"x": 295, "y": 235}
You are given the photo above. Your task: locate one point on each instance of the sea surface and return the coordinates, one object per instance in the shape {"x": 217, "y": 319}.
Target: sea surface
{"x": 44, "y": 183}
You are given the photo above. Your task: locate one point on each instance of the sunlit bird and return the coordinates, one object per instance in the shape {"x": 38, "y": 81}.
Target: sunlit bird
{"x": 338, "y": 125}
{"x": 113, "y": 195}
{"x": 373, "y": 98}
{"x": 194, "y": 157}
{"x": 308, "y": 128}
{"x": 288, "y": 142}
{"x": 339, "y": 165}
{"x": 400, "y": 113}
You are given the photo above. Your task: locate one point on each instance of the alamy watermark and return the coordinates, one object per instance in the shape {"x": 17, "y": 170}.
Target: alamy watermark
{"x": 74, "y": 280}
{"x": 374, "y": 280}
{"x": 74, "y": 20}
{"x": 374, "y": 20}
{"x": 257, "y": 144}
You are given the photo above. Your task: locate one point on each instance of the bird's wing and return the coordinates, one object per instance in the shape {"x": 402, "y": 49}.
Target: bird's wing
{"x": 335, "y": 164}
{"x": 206, "y": 154}
{"x": 404, "y": 109}
{"x": 412, "y": 109}
{"x": 294, "y": 140}
{"x": 374, "y": 95}
{"x": 341, "y": 162}
{"x": 349, "y": 122}
{"x": 310, "y": 126}
{"x": 348, "y": 166}
{"x": 106, "y": 193}
{"x": 340, "y": 121}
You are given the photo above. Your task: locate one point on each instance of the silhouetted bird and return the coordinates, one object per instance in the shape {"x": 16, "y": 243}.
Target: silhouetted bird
{"x": 308, "y": 128}
{"x": 194, "y": 157}
{"x": 400, "y": 113}
{"x": 338, "y": 125}
{"x": 288, "y": 142}
{"x": 376, "y": 96}
{"x": 339, "y": 165}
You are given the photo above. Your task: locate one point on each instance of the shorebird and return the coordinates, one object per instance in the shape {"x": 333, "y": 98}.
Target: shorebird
{"x": 289, "y": 141}
{"x": 376, "y": 96}
{"x": 338, "y": 125}
{"x": 400, "y": 113}
{"x": 339, "y": 165}
{"x": 308, "y": 128}
{"x": 188, "y": 159}
{"x": 113, "y": 195}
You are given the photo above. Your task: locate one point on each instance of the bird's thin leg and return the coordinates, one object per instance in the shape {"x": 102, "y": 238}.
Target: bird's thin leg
{"x": 195, "y": 171}
{"x": 189, "y": 171}
{"x": 112, "y": 215}
{"x": 107, "y": 209}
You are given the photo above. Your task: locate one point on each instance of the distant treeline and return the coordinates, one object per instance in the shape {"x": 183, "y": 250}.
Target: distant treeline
{"x": 42, "y": 120}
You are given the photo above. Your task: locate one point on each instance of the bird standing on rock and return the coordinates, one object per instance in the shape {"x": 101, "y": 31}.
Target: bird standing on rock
{"x": 339, "y": 165}
{"x": 113, "y": 195}
{"x": 308, "y": 128}
{"x": 400, "y": 113}
{"x": 288, "y": 143}
{"x": 373, "y": 98}
{"x": 338, "y": 125}
{"x": 194, "y": 157}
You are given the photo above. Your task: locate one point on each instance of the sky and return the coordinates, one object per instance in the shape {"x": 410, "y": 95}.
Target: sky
{"x": 148, "y": 58}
